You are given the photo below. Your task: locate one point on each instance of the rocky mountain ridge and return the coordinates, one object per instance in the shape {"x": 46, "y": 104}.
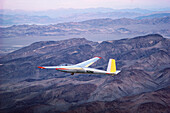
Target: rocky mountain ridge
{"x": 152, "y": 102}
{"x": 143, "y": 61}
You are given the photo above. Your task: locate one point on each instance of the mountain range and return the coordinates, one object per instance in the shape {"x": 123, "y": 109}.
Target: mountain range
{"x": 18, "y": 17}
{"x": 157, "y": 15}
{"x": 95, "y": 26}
{"x": 141, "y": 86}
{"x": 63, "y": 12}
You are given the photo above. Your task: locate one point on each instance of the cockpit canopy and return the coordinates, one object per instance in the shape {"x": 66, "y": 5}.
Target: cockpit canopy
{"x": 65, "y": 64}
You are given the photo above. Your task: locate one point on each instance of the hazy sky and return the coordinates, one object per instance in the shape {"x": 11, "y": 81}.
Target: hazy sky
{"x": 55, "y": 4}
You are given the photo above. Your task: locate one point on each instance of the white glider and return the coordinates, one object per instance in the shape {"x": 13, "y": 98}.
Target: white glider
{"x": 83, "y": 67}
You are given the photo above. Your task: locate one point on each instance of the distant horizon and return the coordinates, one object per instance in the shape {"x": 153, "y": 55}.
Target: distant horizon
{"x": 43, "y": 5}
{"x": 158, "y": 9}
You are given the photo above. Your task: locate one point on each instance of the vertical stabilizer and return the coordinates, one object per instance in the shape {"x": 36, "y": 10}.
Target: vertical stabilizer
{"x": 111, "y": 66}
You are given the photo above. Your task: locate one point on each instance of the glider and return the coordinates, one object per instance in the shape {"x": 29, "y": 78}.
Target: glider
{"x": 83, "y": 67}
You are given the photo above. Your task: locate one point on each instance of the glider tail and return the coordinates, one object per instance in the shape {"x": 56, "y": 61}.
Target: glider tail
{"x": 111, "y": 68}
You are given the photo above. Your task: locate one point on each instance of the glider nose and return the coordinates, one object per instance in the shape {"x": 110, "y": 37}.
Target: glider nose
{"x": 41, "y": 67}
